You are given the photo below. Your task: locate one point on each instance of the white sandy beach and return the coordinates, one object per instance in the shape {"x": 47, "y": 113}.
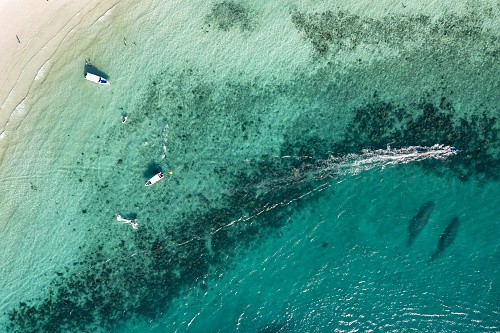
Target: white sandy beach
{"x": 265, "y": 136}
{"x": 32, "y": 31}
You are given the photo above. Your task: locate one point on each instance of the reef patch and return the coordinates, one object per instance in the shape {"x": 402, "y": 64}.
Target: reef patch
{"x": 228, "y": 14}
{"x": 139, "y": 275}
{"x": 332, "y": 31}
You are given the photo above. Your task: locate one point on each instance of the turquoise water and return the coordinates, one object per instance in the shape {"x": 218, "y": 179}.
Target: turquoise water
{"x": 286, "y": 211}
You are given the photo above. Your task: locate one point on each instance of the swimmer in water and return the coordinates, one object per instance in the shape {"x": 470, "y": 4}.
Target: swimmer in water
{"x": 124, "y": 119}
{"x": 132, "y": 223}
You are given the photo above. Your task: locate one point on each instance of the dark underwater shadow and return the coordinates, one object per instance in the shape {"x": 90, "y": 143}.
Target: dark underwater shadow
{"x": 418, "y": 222}
{"x": 447, "y": 238}
{"x": 130, "y": 216}
{"x": 89, "y": 68}
{"x": 152, "y": 169}
{"x": 145, "y": 284}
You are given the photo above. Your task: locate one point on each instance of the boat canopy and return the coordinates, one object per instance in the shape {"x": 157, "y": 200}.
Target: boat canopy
{"x": 154, "y": 179}
{"x": 96, "y": 79}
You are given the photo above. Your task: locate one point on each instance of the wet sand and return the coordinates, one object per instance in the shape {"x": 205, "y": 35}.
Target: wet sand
{"x": 31, "y": 32}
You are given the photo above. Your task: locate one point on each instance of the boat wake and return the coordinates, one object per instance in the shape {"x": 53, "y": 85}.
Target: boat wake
{"x": 165, "y": 137}
{"x": 369, "y": 159}
{"x": 332, "y": 167}
{"x": 352, "y": 164}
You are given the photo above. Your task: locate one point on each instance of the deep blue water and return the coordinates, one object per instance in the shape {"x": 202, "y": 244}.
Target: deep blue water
{"x": 298, "y": 200}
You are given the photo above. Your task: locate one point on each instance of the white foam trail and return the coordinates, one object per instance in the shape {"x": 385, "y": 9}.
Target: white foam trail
{"x": 369, "y": 159}
{"x": 165, "y": 137}
{"x": 353, "y": 164}
{"x": 105, "y": 15}
{"x": 192, "y": 319}
{"x": 20, "y": 109}
{"x": 41, "y": 72}
{"x": 336, "y": 166}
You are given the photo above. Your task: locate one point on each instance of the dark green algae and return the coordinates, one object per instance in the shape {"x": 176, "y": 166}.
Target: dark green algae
{"x": 332, "y": 31}
{"x": 226, "y": 15}
{"x": 157, "y": 264}
{"x": 147, "y": 272}
{"x": 104, "y": 294}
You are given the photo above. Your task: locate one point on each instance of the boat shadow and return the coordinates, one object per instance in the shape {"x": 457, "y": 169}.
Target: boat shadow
{"x": 130, "y": 216}
{"x": 152, "y": 169}
{"x": 89, "y": 68}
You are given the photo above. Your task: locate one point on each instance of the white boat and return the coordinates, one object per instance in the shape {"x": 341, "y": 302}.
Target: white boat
{"x": 156, "y": 178}
{"x": 96, "y": 79}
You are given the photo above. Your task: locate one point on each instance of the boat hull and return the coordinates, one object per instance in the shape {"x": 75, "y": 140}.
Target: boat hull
{"x": 156, "y": 178}
{"x": 97, "y": 79}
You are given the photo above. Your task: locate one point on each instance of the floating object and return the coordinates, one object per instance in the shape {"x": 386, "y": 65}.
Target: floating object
{"x": 96, "y": 79}
{"x": 156, "y": 178}
{"x": 170, "y": 172}
{"x": 132, "y": 223}
{"x": 421, "y": 150}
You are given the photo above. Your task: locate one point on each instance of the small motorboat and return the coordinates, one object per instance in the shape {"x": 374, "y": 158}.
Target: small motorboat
{"x": 156, "y": 178}
{"x": 421, "y": 150}
{"x": 96, "y": 79}
{"x": 454, "y": 150}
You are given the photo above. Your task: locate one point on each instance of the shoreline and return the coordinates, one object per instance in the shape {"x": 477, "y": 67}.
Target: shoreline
{"x": 33, "y": 32}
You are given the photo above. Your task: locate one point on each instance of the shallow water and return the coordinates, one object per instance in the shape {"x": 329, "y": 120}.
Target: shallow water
{"x": 286, "y": 210}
